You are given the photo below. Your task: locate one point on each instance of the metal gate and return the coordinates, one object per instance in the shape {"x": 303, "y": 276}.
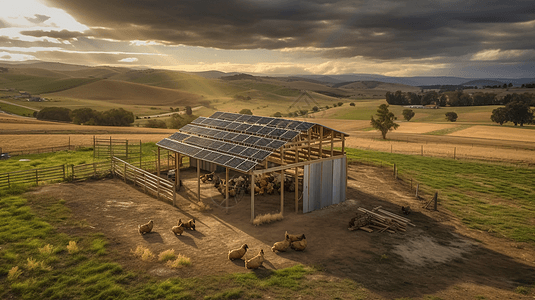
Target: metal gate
{"x": 324, "y": 184}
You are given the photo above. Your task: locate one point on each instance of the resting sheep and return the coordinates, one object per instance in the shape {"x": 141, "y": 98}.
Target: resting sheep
{"x": 237, "y": 253}
{"x": 293, "y": 237}
{"x": 189, "y": 224}
{"x": 145, "y": 228}
{"x": 255, "y": 262}
{"x": 299, "y": 245}
{"x": 179, "y": 229}
{"x": 281, "y": 246}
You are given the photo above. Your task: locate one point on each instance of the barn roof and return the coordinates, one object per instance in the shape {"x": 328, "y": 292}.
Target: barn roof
{"x": 237, "y": 141}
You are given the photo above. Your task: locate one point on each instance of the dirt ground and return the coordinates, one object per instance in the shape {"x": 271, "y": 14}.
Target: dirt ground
{"x": 438, "y": 257}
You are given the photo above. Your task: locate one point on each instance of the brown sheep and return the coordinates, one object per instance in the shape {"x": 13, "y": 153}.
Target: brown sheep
{"x": 293, "y": 237}
{"x": 299, "y": 245}
{"x": 189, "y": 224}
{"x": 281, "y": 246}
{"x": 237, "y": 253}
{"x": 179, "y": 229}
{"x": 255, "y": 262}
{"x": 145, "y": 228}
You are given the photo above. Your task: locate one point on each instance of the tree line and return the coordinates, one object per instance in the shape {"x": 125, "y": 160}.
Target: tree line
{"x": 456, "y": 98}
{"x": 87, "y": 116}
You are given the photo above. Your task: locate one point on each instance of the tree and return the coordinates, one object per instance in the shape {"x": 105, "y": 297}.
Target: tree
{"x": 246, "y": 111}
{"x": 189, "y": 112}
{"x": 315, "y": 109}
{"x": 55, "y": 114}
{"x": 451, "y": 116}
{"x": 117, "y": 117}
{"x": 500, "y": 115}
{"x": 84, "y": 115}
{"x": 340, "y": 103}
{"x": 351, "y": 104}
{"x": 519, "y": 113}
{"x": 277, "y": 114}
{"x": 155, "y": 124}
{"x": 385, "y": 120}
{"x": 408, "y": 114}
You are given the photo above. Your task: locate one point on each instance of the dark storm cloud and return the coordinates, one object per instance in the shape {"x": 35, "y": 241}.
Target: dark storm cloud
{"x": 38, "y": 19}
{"x": 374, "y": 29}
{"x": 62, "y": 35}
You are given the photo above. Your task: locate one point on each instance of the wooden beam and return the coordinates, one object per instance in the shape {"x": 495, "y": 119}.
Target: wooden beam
{"x": 226, "y": 186}
{"x": 321, "y": 142}
{"x": 296, "y": 179}
{"x": 332, "y": 143}
{"x": 252, "y": 197}
{"x": 158, "y": 166}
{"x": 290, "y": 166}
{"x": 282, "y": 182}
{"x": 198, "y": 179}
{"x": 309, "y": 141}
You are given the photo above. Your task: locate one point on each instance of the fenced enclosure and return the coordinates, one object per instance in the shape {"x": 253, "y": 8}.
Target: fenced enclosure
{"x": 42, "y": 150}
{"x": 106, "y": 148}
{"x": 34, "y": 176}
{"x": 150, "y": 183}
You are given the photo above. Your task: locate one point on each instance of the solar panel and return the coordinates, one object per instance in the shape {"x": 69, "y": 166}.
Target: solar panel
{"x": 274, "y": 122}
{"x": 246, "y": 166}
{"x": 228, "y": 116}
{"x": 230, "y": 135}
{"x": 216, "y": 114}
{"x": 293, "y": 125}
{"x": 253, "y": 119}
{"x": 283, "y": 124}
{"x": 261, "y": 155}
{"x": 186, "y": 127}
{"x": 277, "y": 133}
{"x": 223, "y": 159}
{"x": 243, "y": 127}
{"x": 202, "y": 154}
{"x": 263, "y": 142}
{"x": 225, "y": 147}
{"x": 264, "y": 130}
{"x": 178, "y": 136}
{"x": 220, "y": 134}
{"x": 253, "y": 129}
{"x": 290, "y": 134}
{"x": 264, "y": 121}
{"x": 248, "y": 152}
{"x": 304, "y": 126}
{"x": 237, "y": 149}
{"x": 233, "y": 125}
{"x": 243, "y": 118}
{"x": 212, "y": 156}
{"x": 233, "y": 163}
{"x": 198, "y": 120}
{"x": 251, "y": 140}
{"x": 276, "y": 144}
{"x": 240, "y": 138}
{"x": 215, "y": 144}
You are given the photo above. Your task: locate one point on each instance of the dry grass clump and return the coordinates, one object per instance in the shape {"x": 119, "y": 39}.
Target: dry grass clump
{"x": 179, "y": 262}
{"x": 34, "y": 264}
{"x": 267, "y": 218}
{"x": 72, "y": 247}
{"x": 46, "y": 250}
{"x": 200, "y": 206}
{"x": 144, "y": 253}
{"x": 167, "y": 255}
{"x": 13, "y": 273}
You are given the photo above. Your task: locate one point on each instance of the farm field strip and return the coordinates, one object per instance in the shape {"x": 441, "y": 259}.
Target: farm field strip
{"x": 499, "y": 133}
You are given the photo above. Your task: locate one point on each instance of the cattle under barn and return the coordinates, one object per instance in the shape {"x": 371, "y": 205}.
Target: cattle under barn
{"x": 312, "y": 156}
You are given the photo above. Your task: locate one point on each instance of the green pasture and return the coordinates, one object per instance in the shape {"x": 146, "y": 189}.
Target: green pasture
{"x": 15, "y": 109}
{"x": 489, "y": 197}
{"x": 41, "y": 85}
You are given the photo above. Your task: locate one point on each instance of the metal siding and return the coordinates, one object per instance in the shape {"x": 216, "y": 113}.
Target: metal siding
{"x": 337, "y": 180}
{"x": 306, "y": 177}
{"x": 314, "y": 187}
{"x": 326, "y": 184}
{"x": 343, "y": 180}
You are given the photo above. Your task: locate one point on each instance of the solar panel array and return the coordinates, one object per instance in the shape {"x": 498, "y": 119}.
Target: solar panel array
{"x": 232, "y": 140}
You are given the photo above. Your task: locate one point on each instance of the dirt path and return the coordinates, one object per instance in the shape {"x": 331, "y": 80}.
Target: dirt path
{"x": 438, "y": 257}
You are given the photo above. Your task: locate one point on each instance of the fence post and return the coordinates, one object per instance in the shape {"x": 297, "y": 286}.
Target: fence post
{"x": 436, "y": 201}
{"x": 95, "y": 170}
{"x": 8, "y": 182}
{"x": 125, "y": 172}
{"x": 394, "y": 170}
{"x": 422, "y": 150}
{"x": 158, "y": 188}
{"x": 72, "y": 170}
{"x": 417, "y": 189}
{"x": 454, "y": 152}
{"x": 63, "y": 172}
{"x": 144, "y": 183}
{"x": 36, "y": 177}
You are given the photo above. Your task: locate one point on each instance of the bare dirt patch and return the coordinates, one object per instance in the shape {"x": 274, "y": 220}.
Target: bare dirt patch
{"x": 438, "y": 257}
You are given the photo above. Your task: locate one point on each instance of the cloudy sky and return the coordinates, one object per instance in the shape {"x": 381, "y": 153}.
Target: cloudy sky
{"x": 465, "y": 38}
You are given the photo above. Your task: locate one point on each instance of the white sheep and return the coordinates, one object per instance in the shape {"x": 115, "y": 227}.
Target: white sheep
{"x": 293, "y": 237}
{"x": 238, "y": 253}
{"x": 281, "y": 246}
{"x": 178, "y": 229}
{"x": 299, "y": 245}
{"x": 189, "y": 224}
{"x": 255, "y": 262}
{"x": 145, "y": 228}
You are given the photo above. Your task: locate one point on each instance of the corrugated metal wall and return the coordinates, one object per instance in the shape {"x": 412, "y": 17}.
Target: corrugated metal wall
{"x": 206, "y": 166}
{"x": 324, "y": 184}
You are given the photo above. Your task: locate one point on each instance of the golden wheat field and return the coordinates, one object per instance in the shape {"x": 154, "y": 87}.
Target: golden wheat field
{"x": 498, "y": 133}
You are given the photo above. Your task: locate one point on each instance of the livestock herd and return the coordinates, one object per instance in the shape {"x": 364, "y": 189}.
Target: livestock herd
{"x": 296, "y": 242}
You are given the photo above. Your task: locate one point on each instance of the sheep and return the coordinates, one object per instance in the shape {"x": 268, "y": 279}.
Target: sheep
{"x": 406, "y": 210}
{"x": 145, "y": 228}
{"x": 293, "y": 237}
{"x": 189, "y": 224}
{"x": 179, "y": 229}
{"x": 237, "y": 253}
{"x": 281, "y": 246}
{"x": 299, "y": 245}
{"x": 255, "y": 262}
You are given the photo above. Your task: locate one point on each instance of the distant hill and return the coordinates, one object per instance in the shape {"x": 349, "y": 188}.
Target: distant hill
{"x": 482, "y": 82}
{"x": 212, "y": 74}
{"x": 241, "y": 76}
{"x": 377, "y": 85}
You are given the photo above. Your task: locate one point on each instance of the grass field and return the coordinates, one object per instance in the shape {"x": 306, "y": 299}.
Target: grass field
{"x": 14, "y": 109}
{"x": 487, "y": 197}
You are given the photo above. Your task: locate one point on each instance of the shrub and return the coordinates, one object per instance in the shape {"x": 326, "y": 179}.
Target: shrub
{"x": 179, "y": 262}
{"x": 267, "y": 218}
{"x": 246, "y": 111}
{"x": 167, "y": 255}
{"x": 277, "y": 115}
{"x": 352, "y": 104}
{"x": 72, "y": 247}
{"x": 54, "y": 114}
{"x": 451, "y": 116}
{"x": 155, "y": 124}
{"x": 144, "y": 253}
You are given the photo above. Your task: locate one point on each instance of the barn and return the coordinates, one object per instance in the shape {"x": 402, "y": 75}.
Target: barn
{"x": 310, "y": 154}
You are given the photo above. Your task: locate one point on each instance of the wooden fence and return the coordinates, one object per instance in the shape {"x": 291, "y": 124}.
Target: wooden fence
{"x": 41, "y": 150}
{"x": 150, "y": 183}
{"x": 35, "y": 176}
{"x": 94, "y": 170}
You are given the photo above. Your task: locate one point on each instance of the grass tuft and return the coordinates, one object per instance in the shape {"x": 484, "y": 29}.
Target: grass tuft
{"x": 14, "y": 273}
{"x": 179, "y": 262}
{"x": 72, "y": 247}
{"x": 267, "y": 218}
{"x": 144, "y": 253}
{"x": 167, "y": 255}
{"x": 522, "y": 290}
{"x": 98, "y": 246}
{"x": 46, "y": 250}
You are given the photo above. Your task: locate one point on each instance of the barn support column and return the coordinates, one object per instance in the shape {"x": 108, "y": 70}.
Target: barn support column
{"x": 282, "y": 182}
{"x": 321, "y": 142}
{"x": 252, "y": 197}
{"x": 198, "y": 179}
{"x": 296, "y": 179}
{"x": 226, "y": 187}
{"x": 309, "y": 141}
{"x": 332, "y": 143}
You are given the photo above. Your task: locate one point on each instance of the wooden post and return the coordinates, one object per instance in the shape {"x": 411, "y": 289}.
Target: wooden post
{"x": 226, "y": 187}
{"x": 422, "y": 150}
{"x": 125, "y": 172}
{"x": 8, "y": 182}
{"x": 309, "y": 142}
{"x": 158, "y": 163}
{"x": 158, "y": 188}
{"x": 72, "y": 170}
{"x": 252, "y": 197}
{"x": 282, "y": 181}
{"x": 36, "y": 177}
{"x": 394, "y": 170}
{"x": 144, "y": 183}
{"x": 111, "y": 148}
{"x": 296, "y": 179}
{"x": 332, "y": 143}
{"x": 343, "y": 144}
{"x": 436, "y": 201}
{"x": 168, "y": 166}
{"x": 321, "y": 142}
{"x": 140, "y": 154}
{"x": 94, "y": 147}
{"x": 177, "y": 171}
{"x": 63, "y": 172}
{"x": 198, "y": 180}
{"x": 454, "y": 152}
{"x": 417, "y": 189}
{"x": 411, "y": 184}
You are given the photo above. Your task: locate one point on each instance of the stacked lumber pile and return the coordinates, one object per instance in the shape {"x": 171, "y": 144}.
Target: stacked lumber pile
{"x": 379, "y": 219}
